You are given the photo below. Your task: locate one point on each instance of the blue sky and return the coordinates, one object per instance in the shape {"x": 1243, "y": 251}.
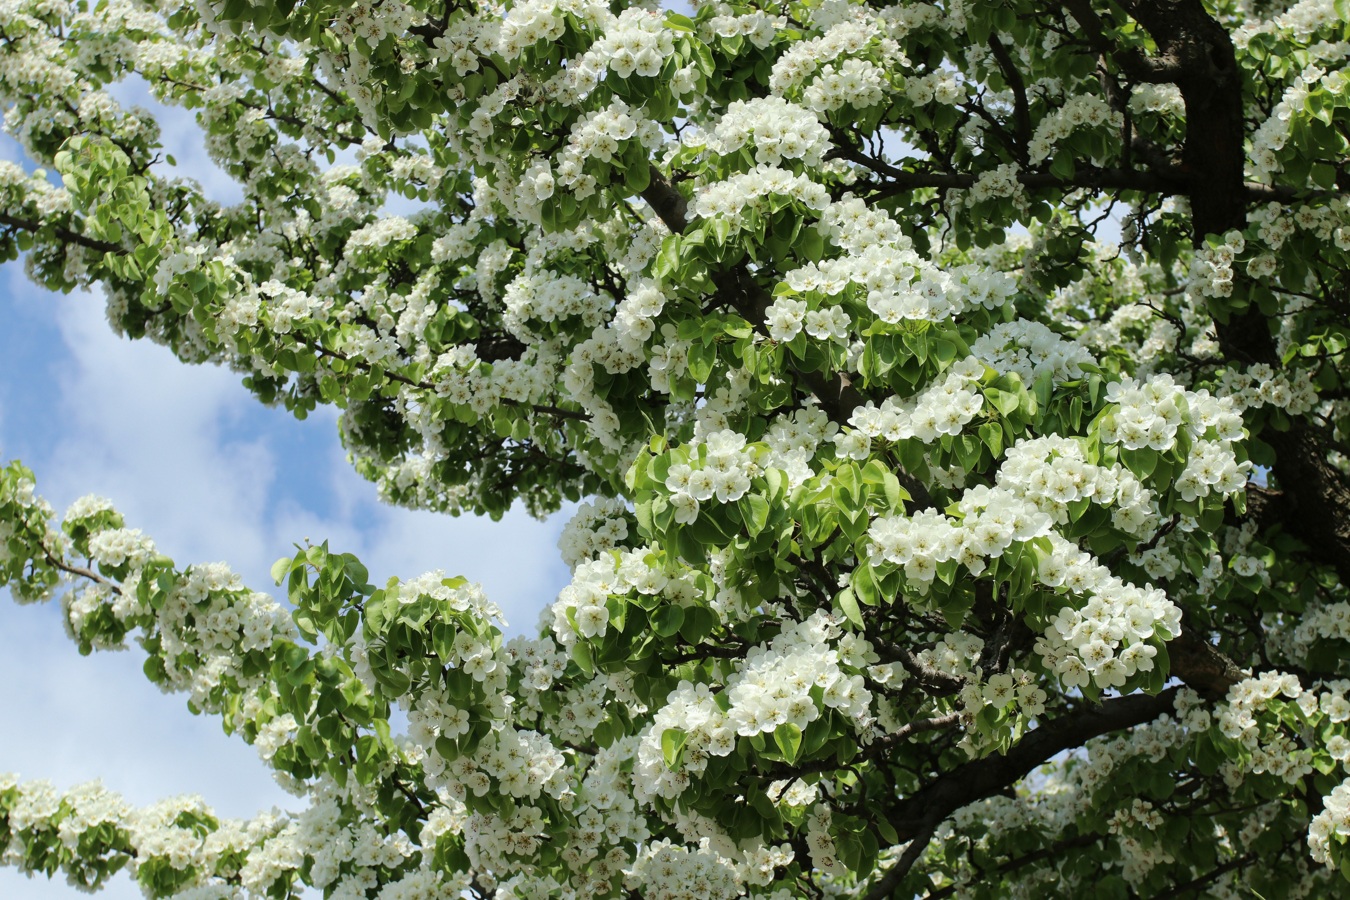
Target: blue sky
{"x": 191, "y": 458}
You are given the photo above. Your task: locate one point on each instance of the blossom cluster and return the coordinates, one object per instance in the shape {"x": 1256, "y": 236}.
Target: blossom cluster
{"x": 1150, "y": 414}
{"x": 787, "y": 317}
{"x": 730, "y": 199}
{"x": 773, "y": 688}
{"x": 847, "y": 38}
{"x": 858, "y": 83}
{"x": 896, "y": 282}
{"x": 944, "y": 408}
{"x": 1212, "y": 267}
{"x": 595, "y": 527}
{"x": 723, "y": 471}
{"x": 1330, "y": 825}
{"x": 1079, "y": 111}
{"x": 1291, "y": 390}
{"x": 666, "y": 871}
{"x": 1271, "y": 750}
{"x": 1031, "y": 349}
{"x": 637, "y": 42}
{"x": 776, "y": 129}
{"x": 998, "y": 182}
{"x": 581, "y": 609}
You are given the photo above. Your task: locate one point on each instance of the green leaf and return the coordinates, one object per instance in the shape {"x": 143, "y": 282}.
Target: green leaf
{"x": 1006, "y": 402}
{"x": 281, "y": 568}
{"x": 864, "y": 584}
{"x": 677, "y": 22}
{"x": 581, "y": 655}
{"x": 699, "y": 622}
{"x": 874, "y": 472}
{"x": 944, "y": 351}
{"x": 992, "y": 436}
{"x": 637, "y": 178}
{"x": 1141, "y": 462}
{"x": 672, "y": 745}
{"x": 788, "y": 737}
{"x": 667, "y": 620}
{"x": 1044, "y": 387}
{"x": 1324, "y": 176}
{"x": 754, "y": 512}
{"x": 848, "y": 604}
{"x": 702, "y": 360}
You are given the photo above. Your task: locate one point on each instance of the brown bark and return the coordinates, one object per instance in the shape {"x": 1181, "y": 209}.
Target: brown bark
{"x": 1201, "y": 61}
{"x": 916, "y": 816}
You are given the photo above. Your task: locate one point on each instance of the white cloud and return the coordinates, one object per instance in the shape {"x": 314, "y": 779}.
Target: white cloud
{"x": 133, "y": 424}
{"x": 516, "y": 559}
{"x": 182, "y": 139}
{"x": 157, "y": 438}
{"x": 186, "y": 455}
{"x": 71, "y": 719}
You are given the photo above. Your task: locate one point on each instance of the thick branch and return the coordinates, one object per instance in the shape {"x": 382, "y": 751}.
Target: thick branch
{"x": 887, "y": 884}
{"x": 935, "y": 723}
{"x": 1203, "y": 65}
{"x": 932, "y": 680}
{"x": 1085, "y": 177}
{"x": 916, "y": 814}
{"x": 1207, "y": 74}
{"x": 666, "y": 201}
{"x": 1161, "y": 69}
{"x": 65, "y": 234}
{"x": 1202, "y": 667}
{"x": 1316, "y": 495}
{"x": 1021, "y": 109}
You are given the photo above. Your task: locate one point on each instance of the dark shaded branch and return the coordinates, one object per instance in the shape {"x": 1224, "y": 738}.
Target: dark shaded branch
{"x": 932, "y": 680}
{"x": 1218, "y": 872}
{"x": 65, "y": 234}
{"x": 1161, "y": 69}
{"x": 1019, "y": 862}
{"x": 1201, "y": 666}
{"x": 319, "y": 349}
{"x": 922, "y": 811}
{"x": 1085, "y": 177}
{"x": 1021, "y": 110}
{"x": 916, "y": 727}
{"x": 887, "y": 884}
{"x": 1203, "y": 65}
{"x": 666, "y": 201}
{"x": 1316, "y": 492}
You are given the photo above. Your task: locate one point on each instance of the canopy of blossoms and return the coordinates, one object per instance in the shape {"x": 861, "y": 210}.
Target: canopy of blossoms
{"x": 931, "y": 541}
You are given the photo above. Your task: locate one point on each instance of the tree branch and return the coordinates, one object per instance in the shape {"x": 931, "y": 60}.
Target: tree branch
{"x": 1138, "y": 67}
{"x": 918, "y": 726}
{"x": 1201, "y": 666}
{"x": 1085, "y": 177}
{"x": 887, "y": 884}
{"x": 1021, "y": 110}
{"x": 65, "y": 234}
{"x": 922, "y": 811}
{"x": 1206, "y": 72}
{"x": 666, "y": 201}
{"x": 1018, "y": 862}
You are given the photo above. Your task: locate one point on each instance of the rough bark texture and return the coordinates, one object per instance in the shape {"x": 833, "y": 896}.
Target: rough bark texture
{"x": 917, "y": 816}
{"x": 1201, "y": 62}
